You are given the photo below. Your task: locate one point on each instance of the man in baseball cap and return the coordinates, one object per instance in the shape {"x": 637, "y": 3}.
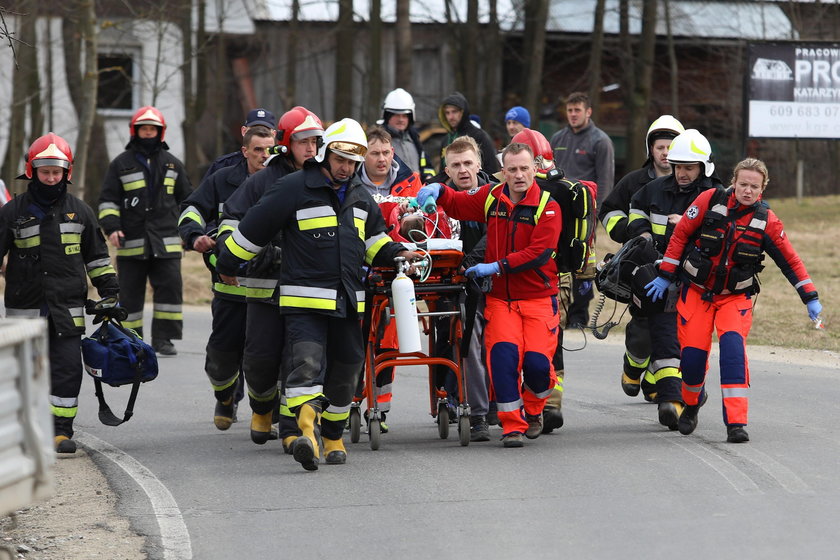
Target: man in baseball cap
{"x": 262, "y": 117}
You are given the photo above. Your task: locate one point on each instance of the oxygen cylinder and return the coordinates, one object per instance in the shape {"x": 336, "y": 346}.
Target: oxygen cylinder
{"x": 405, "y": 311}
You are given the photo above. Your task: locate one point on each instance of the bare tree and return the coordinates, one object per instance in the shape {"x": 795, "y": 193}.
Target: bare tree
{"x": 291, "y": 56}
{"x": 638, "y": 76}
{"x": 536, "y": 16}
{"x": 468, "y": 51}
{"x": 492, "y": 53}
{"x": 595, "y": 56}
{"x": 21, "y": 94}
{"x": 375, "y": 60}
{"x": 404, "y": 45}
{"x": 344, "y": 60}
{"x": 195, "y": 65}
{"x": 672, "y": 63}
{"x": 85, "y": 99}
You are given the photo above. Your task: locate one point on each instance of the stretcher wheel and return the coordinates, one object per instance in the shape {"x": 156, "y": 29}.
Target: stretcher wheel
{"x": 443, "y": 420}
{"x": 355, "y": 424}
{"x": 374, "y": 433}
{"x": 464, "y": 430}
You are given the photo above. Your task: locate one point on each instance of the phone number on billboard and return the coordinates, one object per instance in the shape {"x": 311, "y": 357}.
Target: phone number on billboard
{"x": 791, "y": 110}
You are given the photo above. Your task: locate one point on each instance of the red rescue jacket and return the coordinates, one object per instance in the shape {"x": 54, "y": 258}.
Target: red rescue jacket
{"x": 522, "y": 237}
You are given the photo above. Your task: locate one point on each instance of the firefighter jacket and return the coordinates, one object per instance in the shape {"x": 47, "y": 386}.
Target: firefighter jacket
{"x": 325, "y": 242}
{"x": 466, "y": 127}
{"x": 586, "y": 155}
{"x": 223, "y": 161}
{"x": 651, "y": 205}
{"x": 141, "y": 196}
{"x": 522, "y": 237}
{"x": 614, "y": 209}
{"x": 720, "y": 245}
{"x": 52, "y": 253}
{"x": 201, "y": 213}
{"x": 262, "y": 274}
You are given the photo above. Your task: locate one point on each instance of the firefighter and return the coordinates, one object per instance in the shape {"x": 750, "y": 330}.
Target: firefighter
{"x": 654, "y": 212}
{"x": 330, "y": 228}
{"x": 613, "y": 215}
{"x": 717, "y": 249}
{"x": 398, "y": 120}
{"x": 297, "y": 133}
{"x": 54, "y": 246}
{"x": 200, "y": 216}
{"x": 138, "y": 211}
{"x": 522, "y": 311}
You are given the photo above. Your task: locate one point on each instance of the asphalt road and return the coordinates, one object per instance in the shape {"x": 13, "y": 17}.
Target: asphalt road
{"x": 612, "y": 483}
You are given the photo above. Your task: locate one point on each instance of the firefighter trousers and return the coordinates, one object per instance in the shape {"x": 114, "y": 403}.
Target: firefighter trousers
{"x": 65, "y": 379}
{"x": 165, "y": 277}
{"x": 521, "y": 337}
{"x": 323, "y": 358}
{"x": 262, "y": 363}
{"x": 225, "y": 346}
{"x": 731, "y": 316}
{"x": 637, "y": 351}
{"x": 665, "y": 356}
{"x": 564, "y": 294}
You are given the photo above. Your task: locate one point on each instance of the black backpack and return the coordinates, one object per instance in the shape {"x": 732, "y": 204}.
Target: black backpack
{"x": 576, "y": 246}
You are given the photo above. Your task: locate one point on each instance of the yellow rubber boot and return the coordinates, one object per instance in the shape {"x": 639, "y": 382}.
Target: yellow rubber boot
{"x": 669, "y": 414}
{"x": 64, "y": 444}
{"x": 224, "y": 413}
{"x": 261, "y": 428}
{"x": 334, "y": 452}
{"x": 306, "y": 449}
{"x": 288, "y": 443}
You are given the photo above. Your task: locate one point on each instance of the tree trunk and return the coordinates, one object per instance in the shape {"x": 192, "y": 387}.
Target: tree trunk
{"x": 344, "y": 60}
{"x": 536, "y": 15}
{"x": 491, "y": 99}
{"x": 469, "y": 51}
{"x": 87, "y": 110}
{"x": 404, "y": 45}
{"x": 193, "y": 51}
{"x": 375, "y": 60}
{"x": 595, "y": 56}
{"x": 672, "y": 63}
{"x": 13, "y": 163}
{"x": 639, "y": 99}
{"x": 291, "y": 56}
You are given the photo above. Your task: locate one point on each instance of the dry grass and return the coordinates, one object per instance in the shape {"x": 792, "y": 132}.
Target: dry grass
{"x": 780, "y": 318}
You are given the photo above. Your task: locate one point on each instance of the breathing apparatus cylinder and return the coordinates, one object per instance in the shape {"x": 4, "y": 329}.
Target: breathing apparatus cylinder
{"x": 405, "y": 311}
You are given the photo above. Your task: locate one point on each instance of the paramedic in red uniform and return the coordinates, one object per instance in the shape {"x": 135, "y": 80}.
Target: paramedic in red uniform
{"x": 523, "y": 227}
{"x": 727, "y": 232}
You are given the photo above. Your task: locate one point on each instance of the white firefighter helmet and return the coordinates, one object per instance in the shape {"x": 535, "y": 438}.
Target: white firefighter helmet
{"x": 399, "y": 102}
{"x": 665, "y": 126}
{"x": 692, "y": 147}
{"x": 345, "y": 138}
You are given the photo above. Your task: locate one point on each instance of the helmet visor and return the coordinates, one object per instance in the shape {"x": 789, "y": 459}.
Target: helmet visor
{"x": 348, "y": 150}
{"x": 304, "y": 134}
{"x": 44, "y": 162}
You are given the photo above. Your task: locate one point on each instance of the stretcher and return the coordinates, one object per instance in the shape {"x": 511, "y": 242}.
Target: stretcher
{"x": 443, "y": 291}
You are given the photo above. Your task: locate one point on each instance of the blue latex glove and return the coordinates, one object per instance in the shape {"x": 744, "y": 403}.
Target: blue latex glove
{"x": 585, "y": 287}
{"x": 814, "y": 309}
{"x": 655, "y": 289}
{"x": 483, "y": 269}
{"x": 427, "y": 197}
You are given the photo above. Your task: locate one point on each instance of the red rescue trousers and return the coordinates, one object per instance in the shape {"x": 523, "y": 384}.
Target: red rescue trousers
{"x": 521, "y": 336}
{"x": 731, "y": 316}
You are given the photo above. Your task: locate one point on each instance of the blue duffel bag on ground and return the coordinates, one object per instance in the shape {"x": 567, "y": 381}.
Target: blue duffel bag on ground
{"x": 116, "y": 356}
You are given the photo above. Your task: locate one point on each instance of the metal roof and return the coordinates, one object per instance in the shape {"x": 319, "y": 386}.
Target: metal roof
{"x": 746, "y": 19}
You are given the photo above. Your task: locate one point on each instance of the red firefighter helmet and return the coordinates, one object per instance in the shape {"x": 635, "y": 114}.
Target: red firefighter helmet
{"x": 543, "y": 154}
{"x": 147, "y": 115}
{"x": 296, "y": 124}
{"x": 50, "y": 149}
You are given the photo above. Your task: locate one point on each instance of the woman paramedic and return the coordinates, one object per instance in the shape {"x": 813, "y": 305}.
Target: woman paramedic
{"x": 727, "y": 232}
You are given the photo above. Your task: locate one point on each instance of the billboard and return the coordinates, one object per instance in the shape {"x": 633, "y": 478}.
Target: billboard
{"x": 793, "y": 90}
